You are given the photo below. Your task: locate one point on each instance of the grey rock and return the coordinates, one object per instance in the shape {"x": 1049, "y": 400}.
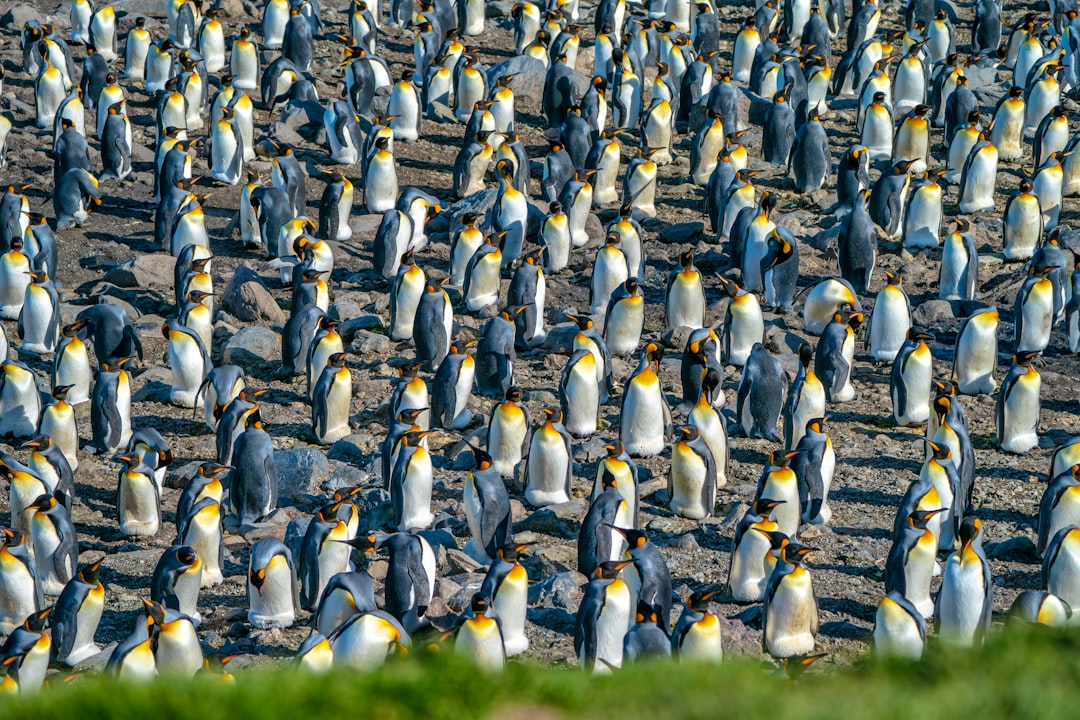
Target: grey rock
{"x": 352, "y": 449}
{"x": 529, "y": 76}
{"x": 300, "y": 471}
{"x": 1017, "y": 548}
{"x": 252, "y": 346}
{"x": 367, "y": 344}
{"x": 459, "y": 562}
{"x": 365, "y": 225}
{"x": 679, "y": 233}
{"x": 561, "y": 520}
{"x": 247, "y": 298}
{"x": 17, "y": 16}
{"x": 676, "y": 338}
{"x": 144, "y": 271}
{"x": 178, "y": 478}
{"x": 349, "y": 327}
{"x": 561, "y": 591}
{"x": 590, "y": 451}
{"x": 932, "y": 313}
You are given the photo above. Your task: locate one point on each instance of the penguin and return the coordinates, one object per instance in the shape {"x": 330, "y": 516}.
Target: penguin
{"x": 703, "y": 352}
{"x": 176, "y": 581}
{"x": 922, "y": 220}
{"x": 548, "y": 467}
{"x": 692, "y": 475}
{"x": 979, "y": 178}
{"x": 758, "y": 404}
{"x": 22, "y": 595}
{"x": 26, "y": 653}
{"x": 479, "y": 636}
{"x": 410, "y": 483}
{"x": 609, "y": 271}
{"x": 891, "y": 320}
{"x": 116, "y": 144}
{"x": 910, "y": 380}
{"x": 323, "y": 555}
{"x": 452, "y": 389}
{"x": 39, "y": 316}
{"x": 177, "y": 652}
{"x": 1051, "y": 136}
{"x": 624, "y": 319}
{"x": 1039, "y": 607}
{"x": 684, "y": 303}
{"x": 1059, "y": 565}
{"x": 1023, "y": 226}
{"x": 138, "y": 499}
{"x": 190, "y": 363}
{"x": 910, "y": 563}
{"x": 365, "y": 639}
{"x": 959, "y": 272}
{"x": 1047, "y": 186}
{"x": 222, "y": 385}
{"x": 646, "y": 639}
{"x": 790, "y": 614}
{"x": 833, "y": 359}
{"x": 344, "y": 595}
{"x": 153, "y": 451}
{"x": 411, "y": 393}
{"x": 56, "y": 549}
{"x": 271, "y": 585}
{"x": 810, "y": 160}
{"x": 76, "y": 617}
{"x": 975, "y": 357}
{"x": 133, "y": 658}
{"x": 380, "y": 179}
{"x": 888, "y": 198}
{"x": 710, "y": 423}
{"x": 603, "y": 619}
{"x": 482, "y": 275}
{"x": 639, "y": 185}
{"x": 410, "y": 579}
{"x": 805, "y": 399}
{"x": 487, "y": 509}
{"x": 1034, "y": 311}
{"x": 495, "y": 354}
{"x": 1007, "y": 127}
{"x": 643, "y": 402}
{"x": 813, "y": 465}
{"x": 111, "y": 408}
{"x": 297, "y": 338}
{"x": 330, "y": 401}
{"x": 779, "y": 482}
{"x": 1017, "y": 409}
{"x": 253, "y": 485}
{"x": 964, "y": 606}
{"x": 49, "y": 465}
{"x": 852, "y": 173}
{"x": 528, "y": 289}
{"x": 824, "y": 300}
{"x": 20, "y": 400}
{"x": 505, "y": 587}
{"x": 961, "y": 146}
{"x": 899, "y": 629}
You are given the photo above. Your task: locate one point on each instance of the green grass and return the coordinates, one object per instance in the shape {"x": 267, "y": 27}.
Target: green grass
{"x": 1018, "y": 675}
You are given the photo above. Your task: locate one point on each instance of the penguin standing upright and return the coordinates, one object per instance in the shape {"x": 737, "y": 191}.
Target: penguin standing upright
{"x": 39, "y": 317}
{"x": 910, "y": 380}
{"x": 549, "y": 469}
{"x": 964, "y": 604}
{"x": 833, "y": 359}
{"x": 603, "y": 619}
{"x": 813, "y": 465}
{"x": 138, "y": 499}
{"x": 1060, "y": 567}
{"x": 411, "y": 483}
{"x": 76, "y": 616}
{"x": 911, "y": 561}
{"x": 508, "y": 432}
{"x": 692, "y": 475}
{"x": 176, "y": 581}
{"x": 790, "y": 610}
{"x": 253, "y": 482}
{"x": 890, "y": 320}
{"x": 18, "y": 577}
{"x": 495, "y": 355}
{"x": 110, "y": 408}
{"x": 805, "y": 399}
{"x": 642, "y": 404}
{"x": 330, "y": 401}
{"x": 856, "y": 249}
{"x": 271, "y": 585}
{"x": 1018, "y": 406}
{"x": 758, "y": 404}
{"x": 1034, "y": 311}
{"x": 685, "y": 299}
{"x": 55, "y": 544}
{"x": 899, "y": 628}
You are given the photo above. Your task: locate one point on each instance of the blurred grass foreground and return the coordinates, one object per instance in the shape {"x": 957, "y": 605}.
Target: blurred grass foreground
{"x": 1018, "y": 674}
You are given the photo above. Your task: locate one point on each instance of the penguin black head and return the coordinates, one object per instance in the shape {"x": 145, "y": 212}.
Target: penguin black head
{"x": 553, "y": 415}
{"x": 411, "y": 415}
{"x": 763, "y": 507}
{"x": 777, "y": 539}
{"x": 916, "y": 334}
{"x": 479, "y": 604}
{"x": 806, "y": 354}
{"x": 615, "y": 449}
{"x": 607, "y": 480}
{"x": 44, "y": 503}
{"x": 584, "y": 322}
{"x": 10, "y": 537}
{"x": 689, "y": 433}
{"x": 413, "y": 438}
{"x": 254, "y": 420}
{"x": 634, "y": 538}
{"x": 481, "y": 457}
{"x": 338, "y": 359}
{"x": 918, "y": 519}
{"x": 794, "y": 553}
{"x": 613, "y": 239}
{"x": 36, "y": 621}
{"x": 970, "y": 529}
{"x": 91, "y": 573}
{"x": 610, "y": 569}
{"x": 187, "y": 555}
{"x": 902, "y": 167}
{"x": 512, "y": 552}
{"x": 816, "y": 425}
{"x": 710, "y": 381}
{"x": 939, "y": 451}
{"x": 212, "y": 469}
{"x": 131, "y": 460}
{"x": 1025, "y": 358}
{"x": 645, "y": 613}
{"x": 782, "y": 459}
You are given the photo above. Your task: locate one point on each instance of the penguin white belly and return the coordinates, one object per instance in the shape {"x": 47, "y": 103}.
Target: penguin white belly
{"x": 36, "y": 314}
{"x": 615, "y": 618}
{"x": 898, "y": 638}
{"x": 13, "y": 283}
{"x": 609, "y": 272}
{"x": 504, "y": 446}
{"x": 747, "y": 327}
{"x": 703, "y": 642}
{"x": 846, "y": 393}
{"x": 790, "y": 614}
{"x": 272, "y": 605}
{"x": 178, "y": 653}
{"x": 811, "y": 405}
{"x": 960, "y": 602}
{"x": 46, "y": 541}
{"x": 462, "y": 393}
{"x": 1008, "y": 134}
{"x": 416, "y": 500}
{"x": 919, "y": 570}
{"x": 138, "y": 665}
{"x": 1038, "y": 313}
{"x": 204, "y": 535}
{"x": 510, "y": 603}
{"x": 918, "y": 378}
{"x": 483, "y": 284}
{"x": 187, "y": 592}
{"x": 408, "y": 299}
{"x": 333, "y": 559}
{"x": 686, "y": 305}
{"x": 480, "y": 641}
{"x": 828, "y": 467}
{"x": 320, "y": 356}
{"x": 1021, "y": 417}
{"x": 607, "y": 172}
{"x": 688, "y": 478}
{"x": 470, "y": 502}
{"x": 334, "y": 609}
{"x": 888, "y": 327}
{"x": 34, "y": 666}
{"x": 1063, "y": 578}
{"x": 548, "y": 465}
{"x": 642, "y": 426}
{"x": 88, "y": 618}
{"x": 338, "y": 402}
{"x": 17, "y": 594}
{"x": 923, "y": 222}
{"x": 979, "y": 182}
{"x": 1023, "y": 228}
{"x": 364, "y": 644}
{"x": 138, "y": 506}
{"x": 188, "y": 371}
{"x": 976, "y": 360}
{"x": 623, "y": 329}
{"x": 222, "y": 154}
{"x": 711, "y": 426}
{"x": 582, "y": 394}
{"x": 785, "y": 488}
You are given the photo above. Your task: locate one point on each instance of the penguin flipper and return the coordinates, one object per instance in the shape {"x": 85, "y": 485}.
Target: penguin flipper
{"x": 421, "y": 588}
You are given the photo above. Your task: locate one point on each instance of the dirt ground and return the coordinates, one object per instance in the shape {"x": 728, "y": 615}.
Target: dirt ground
{"x": 876, "y": 460}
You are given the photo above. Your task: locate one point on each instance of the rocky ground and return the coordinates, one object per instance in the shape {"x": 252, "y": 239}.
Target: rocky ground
{"x": 876, "y": 460}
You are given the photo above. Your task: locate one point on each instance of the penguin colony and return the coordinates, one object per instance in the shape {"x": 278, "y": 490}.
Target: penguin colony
{"x": 929, "y": 145}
